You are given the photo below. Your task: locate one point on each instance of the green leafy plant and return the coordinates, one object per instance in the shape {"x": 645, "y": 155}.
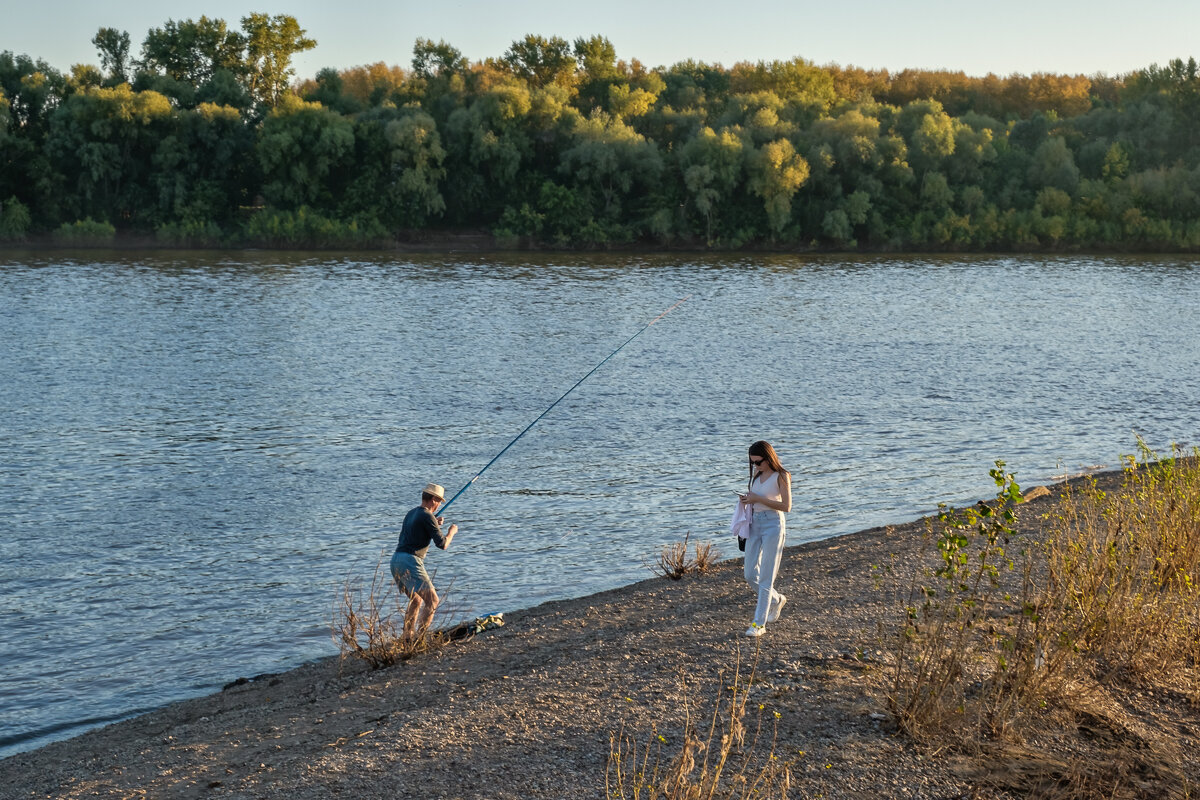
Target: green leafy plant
{"x": 14, "y": 220}
{"x": 943, "y": 629}
{"x": 189, "y": 233}
{"x": 308, "y": 228}
{"x": 85, "y": 231}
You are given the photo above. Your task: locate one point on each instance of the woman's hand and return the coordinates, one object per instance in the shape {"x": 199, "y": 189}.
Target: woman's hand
{"x": 784, "y": 503}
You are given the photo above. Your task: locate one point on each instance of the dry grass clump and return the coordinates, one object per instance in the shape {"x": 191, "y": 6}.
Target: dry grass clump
{"x": 674, "y": 561}
{"x": 717, "y": 760}
{"x": 368, "y": 623}
{"x": 1123, "y": 583}
{"x": 1008, "y": 627}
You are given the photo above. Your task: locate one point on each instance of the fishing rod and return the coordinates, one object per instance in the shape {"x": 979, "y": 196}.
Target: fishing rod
{"x": 468, "y": 484}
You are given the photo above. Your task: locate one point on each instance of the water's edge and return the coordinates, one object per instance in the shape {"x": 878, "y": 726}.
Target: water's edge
{"x": 71, "y": 730}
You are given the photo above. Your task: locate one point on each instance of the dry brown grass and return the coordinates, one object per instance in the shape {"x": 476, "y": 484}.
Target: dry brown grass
{"x": 719, "y": 759}
{"x": 1123, "y": 583}
{"x": 368, "y": 622}
{"x": 1013, "y": 635}
{"x": 674, "y": 561}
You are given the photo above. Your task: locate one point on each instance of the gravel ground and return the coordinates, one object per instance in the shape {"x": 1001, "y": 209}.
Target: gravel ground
{"x": 530, "y": 710}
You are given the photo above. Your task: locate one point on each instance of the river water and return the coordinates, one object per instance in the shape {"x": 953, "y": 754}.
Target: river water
{"x": 198, "y": 449}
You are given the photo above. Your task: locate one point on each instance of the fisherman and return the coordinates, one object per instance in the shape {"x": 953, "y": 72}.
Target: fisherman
{"x": 421, "y": 527}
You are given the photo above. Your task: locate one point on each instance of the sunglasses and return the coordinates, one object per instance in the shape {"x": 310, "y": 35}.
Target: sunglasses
{"x": 756, "y": 461}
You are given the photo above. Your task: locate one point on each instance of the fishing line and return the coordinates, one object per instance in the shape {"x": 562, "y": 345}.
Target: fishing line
{"x": 556, "y": 402}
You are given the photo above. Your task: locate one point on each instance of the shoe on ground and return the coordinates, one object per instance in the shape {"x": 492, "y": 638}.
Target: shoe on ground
{"x": 773, "y": 614}
{"x": 756, "y": 630}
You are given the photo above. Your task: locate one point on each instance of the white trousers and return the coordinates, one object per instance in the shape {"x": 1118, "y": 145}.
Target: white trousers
{"x": 764, "y": 552}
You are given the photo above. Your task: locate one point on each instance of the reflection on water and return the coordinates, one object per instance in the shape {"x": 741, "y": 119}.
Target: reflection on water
{"x": 197, "y": 449}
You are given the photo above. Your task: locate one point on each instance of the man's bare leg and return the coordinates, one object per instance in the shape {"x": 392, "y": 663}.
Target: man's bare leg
{"x": 410, "y": 615}
{"x": 429, "y": 602}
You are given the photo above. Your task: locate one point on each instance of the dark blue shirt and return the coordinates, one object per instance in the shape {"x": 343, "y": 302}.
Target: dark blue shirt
{"x": 419, "y": 529}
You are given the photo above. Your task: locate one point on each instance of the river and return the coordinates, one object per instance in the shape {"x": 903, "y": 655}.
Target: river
{"x": 198, "y": 449}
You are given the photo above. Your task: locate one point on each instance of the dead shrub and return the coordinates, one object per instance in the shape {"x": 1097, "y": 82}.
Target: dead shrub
{"x": 674, "y": 561}
{"x": 368, "y": 622}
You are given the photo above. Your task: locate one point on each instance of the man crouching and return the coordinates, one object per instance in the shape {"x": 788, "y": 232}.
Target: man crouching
{"x": 408, "y": 562}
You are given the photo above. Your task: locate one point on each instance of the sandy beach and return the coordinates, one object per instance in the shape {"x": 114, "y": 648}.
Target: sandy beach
{"x": 530, "y": 710}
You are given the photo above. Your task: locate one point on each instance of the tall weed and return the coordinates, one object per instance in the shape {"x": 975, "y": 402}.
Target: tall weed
{"x": 712, "y": 759}
{"x": 1123, "y": 571}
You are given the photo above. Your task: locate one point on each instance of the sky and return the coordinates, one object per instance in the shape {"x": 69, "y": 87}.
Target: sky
{"x": 1019, "y": 36}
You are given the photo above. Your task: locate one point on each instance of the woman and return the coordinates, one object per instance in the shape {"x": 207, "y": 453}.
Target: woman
{"x": 769, "y": 492}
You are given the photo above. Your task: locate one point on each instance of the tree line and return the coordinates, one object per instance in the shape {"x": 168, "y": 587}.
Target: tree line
{"x": 205, "y": 137}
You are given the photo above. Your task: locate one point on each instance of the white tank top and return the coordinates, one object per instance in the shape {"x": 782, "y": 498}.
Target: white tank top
{"x": 767, "y": 485}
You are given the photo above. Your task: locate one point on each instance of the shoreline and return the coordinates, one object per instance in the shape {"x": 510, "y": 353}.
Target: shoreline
{"x": 484, "y": 243}
{"x": 529, "y": 710}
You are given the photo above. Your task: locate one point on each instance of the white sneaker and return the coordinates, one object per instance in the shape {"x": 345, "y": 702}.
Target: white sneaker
{"x": 773, "y": 613}
{"x": 756, "y": 629}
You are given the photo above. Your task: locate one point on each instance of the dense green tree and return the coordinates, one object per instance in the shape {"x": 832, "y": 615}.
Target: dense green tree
{"x": 695, "y": 85}
{"x": 113, "y": 47}
{"x": 614, "y": 163}
{"x": 758, "y": 115}
{"x": 437, "y": 60}
{"x": 354, "y": 90}
{"x": 1054, "y": 166}
{"x": 797, "y": 82}
{"x": 33, "y": 89}
{"x": 859, "y": 173}
{"x": 713, "y": 167}
{"x": 304, "y": 151}
{"x": 395, "y": 173}
{"x": 1175, "y": 87}
{"x": 203, "y": 168}
{"x": 330, "y": 91}
{"x": 415, "y": 169}
{"x": 777, "y": 171}
{"x": 597, "y": 58}
{"x": 930, "y": 133}
{"x": 103, "y": 141}
{"x": 565, "y": 143}
{"x": 188, "y": 52}
{"x": 541, "y": 61}
{"x": 487, "y": 150}
{"x": 82, "y": 78}
{"x": 599, "y": 76}
{"x": 440, "y": 74}
{"x": 270, "y": 44}
{"x": 225, "y": 89}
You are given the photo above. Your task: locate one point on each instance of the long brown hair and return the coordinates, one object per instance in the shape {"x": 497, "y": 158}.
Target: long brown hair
{"x": 767, "y": 453}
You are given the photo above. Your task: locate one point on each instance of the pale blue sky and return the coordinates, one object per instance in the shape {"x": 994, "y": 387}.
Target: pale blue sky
{"x": 1002, "y": 37}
